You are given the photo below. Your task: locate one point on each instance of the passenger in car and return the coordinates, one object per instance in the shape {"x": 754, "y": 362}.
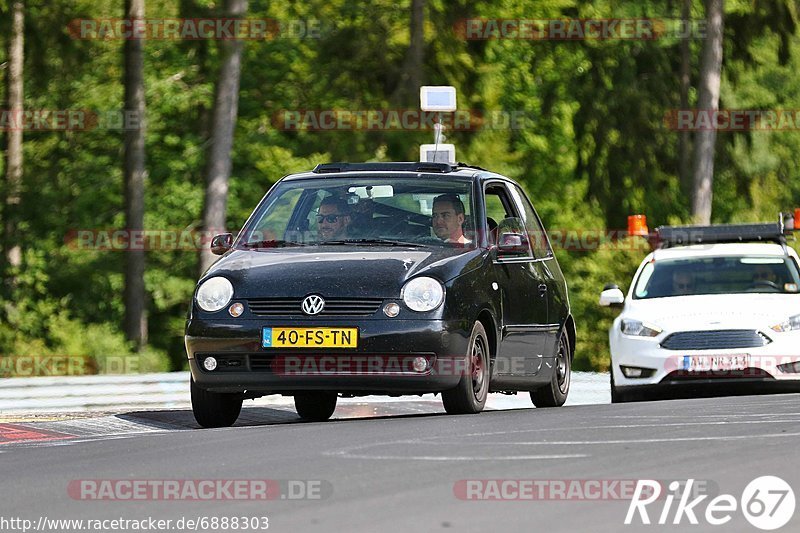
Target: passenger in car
{"x": 333, "y": 219}
{"x": 448, "y": 219}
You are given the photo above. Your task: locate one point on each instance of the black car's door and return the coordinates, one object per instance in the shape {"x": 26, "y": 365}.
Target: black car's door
{"x": 548, "y": 273}
{"x": 523, "y": 295}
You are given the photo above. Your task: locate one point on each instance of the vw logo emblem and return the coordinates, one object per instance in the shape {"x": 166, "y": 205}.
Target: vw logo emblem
{"x": 313, "y": 305}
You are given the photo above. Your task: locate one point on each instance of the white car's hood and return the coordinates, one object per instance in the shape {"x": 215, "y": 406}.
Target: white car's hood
{"x": 717, "y": 311}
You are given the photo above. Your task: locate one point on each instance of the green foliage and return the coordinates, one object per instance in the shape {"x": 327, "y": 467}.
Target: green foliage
{"x": 591, "y": 148}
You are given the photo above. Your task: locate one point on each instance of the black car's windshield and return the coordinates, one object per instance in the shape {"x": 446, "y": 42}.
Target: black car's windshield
{"x": 717, "y": 275}
{"x": 364, "y": 211}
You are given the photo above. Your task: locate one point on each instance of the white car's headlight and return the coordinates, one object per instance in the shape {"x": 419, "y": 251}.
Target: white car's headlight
{"x": 214, "y": 294}
{"x": 423, "y": 294}
{"x": 636, "y": 328}
{"x": 790, "y": 324}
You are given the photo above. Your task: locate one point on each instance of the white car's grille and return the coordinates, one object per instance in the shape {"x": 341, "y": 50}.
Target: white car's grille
{"x": 715, "y": 339}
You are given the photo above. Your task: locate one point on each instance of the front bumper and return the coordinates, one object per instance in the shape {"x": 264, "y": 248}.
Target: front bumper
{"x": 769, "y": 367}
{"x": 381, "y": 364}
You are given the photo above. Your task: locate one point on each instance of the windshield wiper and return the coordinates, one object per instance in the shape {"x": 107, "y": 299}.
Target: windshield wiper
{"x": 271, "y": 244}
{"x": 369, "y": 242}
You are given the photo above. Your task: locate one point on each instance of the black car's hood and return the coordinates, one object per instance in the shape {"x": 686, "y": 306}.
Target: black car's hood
{"x": 374, "y": 272}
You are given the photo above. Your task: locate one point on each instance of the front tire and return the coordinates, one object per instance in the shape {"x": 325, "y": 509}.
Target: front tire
{"x": 315, "y": 406}
{"x": 214, "y": 409}
{"x": 555, "y": 394}
{"x": 469, "y": 396}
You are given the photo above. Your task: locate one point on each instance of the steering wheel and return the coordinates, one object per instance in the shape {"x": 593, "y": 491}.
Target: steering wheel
{"x": 766, "y": 283}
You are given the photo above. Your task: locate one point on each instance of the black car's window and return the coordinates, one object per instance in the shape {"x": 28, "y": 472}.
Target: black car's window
{"x": 717, "y": 275}
{"x": 500, "y": 208}
{"x": 536, "y": 232}
{"x": 364, "y": 210}
{"x": 274, "y": 222}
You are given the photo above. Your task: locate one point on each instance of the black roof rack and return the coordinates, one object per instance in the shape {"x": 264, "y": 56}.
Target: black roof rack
{"x": 474, "y": 167}
{"x": 668, "y": 236}
{"x": 329, "y": 168}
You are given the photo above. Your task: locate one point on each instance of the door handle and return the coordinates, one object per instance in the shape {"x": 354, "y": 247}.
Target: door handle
{"x": 542, "y": 289}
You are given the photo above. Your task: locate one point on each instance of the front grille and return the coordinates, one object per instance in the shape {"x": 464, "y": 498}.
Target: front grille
{"x": 715, "y": 339}
{"x": 333, "y": 306}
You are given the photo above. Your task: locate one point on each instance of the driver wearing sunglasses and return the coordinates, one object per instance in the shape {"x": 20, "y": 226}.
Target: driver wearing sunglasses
{"x": 333, "y": 217}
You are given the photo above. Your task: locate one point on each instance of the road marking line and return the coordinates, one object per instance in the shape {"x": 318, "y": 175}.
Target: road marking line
{"x": 644, "y": 441}
{"x": 459, "y": 457}
{"x": 628, "y": 426}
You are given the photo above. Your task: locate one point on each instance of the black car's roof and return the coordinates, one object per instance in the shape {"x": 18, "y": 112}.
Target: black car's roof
{"x": 419, "y": 170}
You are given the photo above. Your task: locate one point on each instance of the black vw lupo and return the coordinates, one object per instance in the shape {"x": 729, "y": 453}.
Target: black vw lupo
{"x": 381, "y": 278}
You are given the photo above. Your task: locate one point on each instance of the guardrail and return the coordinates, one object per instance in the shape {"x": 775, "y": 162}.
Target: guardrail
{"x": 77, "y": 393}
{"x": 171, "y": 390}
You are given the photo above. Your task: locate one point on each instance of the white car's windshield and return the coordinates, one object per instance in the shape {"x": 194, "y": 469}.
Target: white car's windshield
{"x": 717, "y": 275}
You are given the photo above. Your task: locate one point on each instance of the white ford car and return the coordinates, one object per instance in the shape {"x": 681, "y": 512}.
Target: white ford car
{"x": 708, "y": 310}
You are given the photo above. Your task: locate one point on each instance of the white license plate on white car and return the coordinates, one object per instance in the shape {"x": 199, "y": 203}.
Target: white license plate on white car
{"x": 715, "y": 363}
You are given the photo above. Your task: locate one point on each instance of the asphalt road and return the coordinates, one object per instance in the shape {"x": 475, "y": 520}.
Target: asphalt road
{"x": 406, "y": 466}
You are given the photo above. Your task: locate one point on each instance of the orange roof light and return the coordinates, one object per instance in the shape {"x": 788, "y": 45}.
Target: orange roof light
{"x": 637, "y": 225}
{"x": 797, "y": 218}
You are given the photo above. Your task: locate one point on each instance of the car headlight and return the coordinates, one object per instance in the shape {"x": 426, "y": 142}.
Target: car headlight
{"x": 637, "y": 328}
{"x": 214, "y": 294}
{"x": 423, "y": 294}
{"x": 790, "y": 324}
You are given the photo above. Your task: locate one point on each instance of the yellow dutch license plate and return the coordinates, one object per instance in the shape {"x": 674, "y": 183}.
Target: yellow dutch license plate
{"x": 309, "y": 338}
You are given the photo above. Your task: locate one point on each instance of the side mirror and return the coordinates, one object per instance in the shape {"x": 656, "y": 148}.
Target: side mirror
{"x": 221, "y": 243}
{"x": 512, "y": 244}
{"x": 612, "y": 296}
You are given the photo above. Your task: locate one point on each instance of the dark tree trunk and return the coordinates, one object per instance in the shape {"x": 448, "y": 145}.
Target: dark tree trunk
{"x": 226, "y": 105}
{"x": 411, "y": 77}
{"x": 135, "y": 175}
{"x": 708, "y": 102}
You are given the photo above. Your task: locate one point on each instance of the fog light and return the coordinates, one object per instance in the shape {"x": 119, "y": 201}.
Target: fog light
{"x": 419, "y": 364}
{"x": 391, "y": 310}
{"x": 209, "y": 363}
{"x": 236, "y": 310}
{"x": 790, "y": 368}
{"x": 636, "y": 372}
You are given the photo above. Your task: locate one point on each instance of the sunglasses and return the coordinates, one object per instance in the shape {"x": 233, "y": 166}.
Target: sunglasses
{"x": 328, "y": 218}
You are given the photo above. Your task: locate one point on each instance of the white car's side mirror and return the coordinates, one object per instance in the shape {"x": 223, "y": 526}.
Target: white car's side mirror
{"x": 612, "y": 298}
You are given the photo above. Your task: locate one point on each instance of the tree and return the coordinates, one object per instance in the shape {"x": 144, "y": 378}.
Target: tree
{"x": 135, "y": 174}
{"x": 411, "y": 76}
{"x": 684, "y": 142}
{"x": 226, "y": 103}
{"x": 13, "y": 252}
{"x": 708, "y": 102}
